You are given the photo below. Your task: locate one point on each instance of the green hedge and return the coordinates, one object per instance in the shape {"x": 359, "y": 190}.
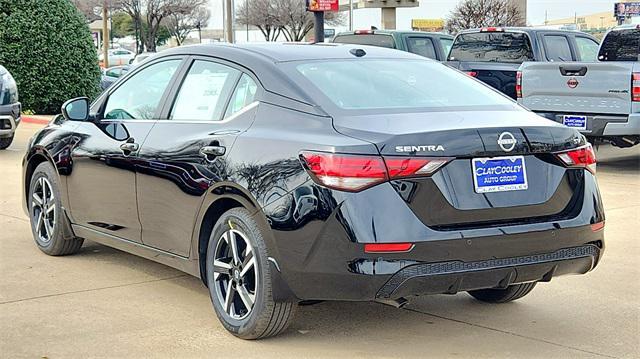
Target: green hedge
{"x": 47, "y": 47}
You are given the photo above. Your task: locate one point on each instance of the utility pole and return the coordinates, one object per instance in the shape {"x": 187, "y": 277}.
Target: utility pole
{"x": 318, "y": 17}
{"x": 228, "y": 12}
{"x": 105, "y": 35}
{"x": 350, "y": 15}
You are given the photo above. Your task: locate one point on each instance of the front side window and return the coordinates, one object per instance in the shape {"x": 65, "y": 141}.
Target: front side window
{"x": 446, "y": 45}
{"x": 557, "y": 48}
{"x": 588, "y": 48}
{"x": 395, "y": 84}
{"x": 243, "y": 95}
{"x": 204, "y": 92}
{"x": 511, "y": 47}
{"x": 422, "y": 46}
{"x": 139, "y": 96}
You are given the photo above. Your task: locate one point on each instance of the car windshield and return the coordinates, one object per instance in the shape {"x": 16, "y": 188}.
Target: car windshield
{"x": 512, "y": 47}
{"x": 395, "y": 83}
{"x": 620, "y": 45}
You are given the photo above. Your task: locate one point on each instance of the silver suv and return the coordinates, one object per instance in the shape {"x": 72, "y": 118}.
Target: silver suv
{"x": 9, "y": 108}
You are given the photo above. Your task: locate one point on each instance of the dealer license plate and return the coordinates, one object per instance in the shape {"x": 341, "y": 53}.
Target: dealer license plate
{"x": 577, "y": 122}
{"x": 499, "y": 174}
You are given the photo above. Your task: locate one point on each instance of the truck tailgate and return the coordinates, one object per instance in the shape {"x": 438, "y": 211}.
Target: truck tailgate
{"x": 577, "y": 87}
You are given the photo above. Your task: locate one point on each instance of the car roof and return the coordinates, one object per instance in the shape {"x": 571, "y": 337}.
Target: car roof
{"x": 397, "y": 32}
{"x": 528, "y": 30}
{"x": 285, "y": 52}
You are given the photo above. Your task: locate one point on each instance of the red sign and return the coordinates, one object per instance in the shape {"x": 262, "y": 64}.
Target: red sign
{"x": 322, "y": 5}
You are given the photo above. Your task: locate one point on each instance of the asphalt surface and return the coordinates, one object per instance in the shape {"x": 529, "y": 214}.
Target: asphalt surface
{"x": 106, "y": 303}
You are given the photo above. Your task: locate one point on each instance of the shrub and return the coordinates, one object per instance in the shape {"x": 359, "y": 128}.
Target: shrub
{"x": 47, "y": 47}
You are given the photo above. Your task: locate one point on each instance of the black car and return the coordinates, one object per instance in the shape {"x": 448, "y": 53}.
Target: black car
{"x": 10, "y": 108}
{"x": 291, "y": 173}
{"x": 494, "y": 54}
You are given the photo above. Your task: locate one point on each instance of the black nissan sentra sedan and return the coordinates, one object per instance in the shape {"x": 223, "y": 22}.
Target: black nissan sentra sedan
{"x": 292, "y": 173}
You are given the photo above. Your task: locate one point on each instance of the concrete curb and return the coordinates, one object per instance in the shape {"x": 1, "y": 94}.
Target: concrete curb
{"x": 37, "y": 119}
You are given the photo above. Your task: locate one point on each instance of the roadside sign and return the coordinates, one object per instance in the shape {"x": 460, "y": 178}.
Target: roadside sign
{"x": 427, "y": 23}
{"x": 626, "y": 9}
{"x": 322, "y": 5}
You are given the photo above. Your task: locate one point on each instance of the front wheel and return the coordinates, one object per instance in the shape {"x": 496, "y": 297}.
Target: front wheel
{"x": 511, "y": 293}
{"x": 239, "y": 279}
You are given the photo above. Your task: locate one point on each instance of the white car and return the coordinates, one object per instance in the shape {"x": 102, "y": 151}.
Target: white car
{"x": 118, "y": 57}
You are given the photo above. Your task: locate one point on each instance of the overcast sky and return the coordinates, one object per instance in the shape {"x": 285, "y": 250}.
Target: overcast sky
{"x": 364, "y": 18}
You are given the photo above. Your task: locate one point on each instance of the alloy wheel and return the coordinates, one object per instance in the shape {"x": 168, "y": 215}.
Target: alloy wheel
{"x": 43, "y": 210}
{"x": 235, "y": 273}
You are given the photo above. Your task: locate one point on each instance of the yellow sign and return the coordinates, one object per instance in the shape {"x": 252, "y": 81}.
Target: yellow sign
{"x": 427, "y": 23}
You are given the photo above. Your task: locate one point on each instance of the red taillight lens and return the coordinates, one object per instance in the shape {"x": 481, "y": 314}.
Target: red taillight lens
{"x": 580, "y": 157}
{"x": 491, "y": 29}
{"x": 472, "y": 73}
{"x": 635, "y": 87}
{"x": 597, "y": 226}
{"x": 356, "y": 172}
{"x": 387, "y": 247}
{"x": 363, "y": 32}
{"x": 345, "y": 172}
{"x": 519, "y": 84}
{"x": 402, "y": 167}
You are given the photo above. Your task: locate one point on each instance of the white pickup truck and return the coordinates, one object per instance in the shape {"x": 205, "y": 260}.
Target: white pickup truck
{"x": 601, "y": 99}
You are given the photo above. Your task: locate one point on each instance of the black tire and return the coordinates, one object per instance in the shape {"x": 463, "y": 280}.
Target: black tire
{"x": 511, "y": 293}
{"x": 266, "y": 318}
{"x": 5, "y": 142}
{"x": 51, "y": 239}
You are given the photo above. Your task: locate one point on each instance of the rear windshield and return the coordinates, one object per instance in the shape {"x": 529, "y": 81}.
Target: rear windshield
{"x": 368, "y": 39}
{"x": 395, "y": 83}
{"x": 620, "y": 45}
{"x": 492, "y": 46}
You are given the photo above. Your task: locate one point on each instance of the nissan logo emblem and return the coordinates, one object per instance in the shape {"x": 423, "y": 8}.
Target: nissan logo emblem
{"x": 507, "y": 141}
{"x": 572, "y": 83}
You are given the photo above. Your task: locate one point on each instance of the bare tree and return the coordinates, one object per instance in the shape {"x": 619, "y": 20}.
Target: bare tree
{"x": 479, "y": 13}
{"x": 134, "y": 9}
{"x": 287, "y": 17}
{"x": 89, "y": 8}
{"x": 186, "y": 16}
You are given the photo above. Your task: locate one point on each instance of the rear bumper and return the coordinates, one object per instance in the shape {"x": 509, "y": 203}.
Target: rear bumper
{"x": 9, "y": 119}
{"x": 603, "y": 125}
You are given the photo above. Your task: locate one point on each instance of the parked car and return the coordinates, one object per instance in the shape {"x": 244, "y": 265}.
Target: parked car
{"x": 118, "y": 57}
{"x": 285, "y": 173}
{"x": 111, "y": 75}
{"x": 493, "y": 54}
{"x": 433, "y": 45}
{"x": 601, "y": 99}
{"x": 141, "y": 57}
{"x": 9, "y": 108}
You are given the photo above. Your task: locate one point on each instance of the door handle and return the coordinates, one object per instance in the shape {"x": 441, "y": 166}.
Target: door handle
{"x": 210, "y": 152}
{"x": 129, "y": 147}
{"x": 569, "y": 70}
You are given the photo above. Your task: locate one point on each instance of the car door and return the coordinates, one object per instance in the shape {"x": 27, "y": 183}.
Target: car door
{"x": 101, "y": 183}
{"x": 185, "y": 154}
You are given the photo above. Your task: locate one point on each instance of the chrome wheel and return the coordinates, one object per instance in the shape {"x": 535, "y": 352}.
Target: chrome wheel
{"x": 43, "y": 210}
{"x": 235, "y": 273}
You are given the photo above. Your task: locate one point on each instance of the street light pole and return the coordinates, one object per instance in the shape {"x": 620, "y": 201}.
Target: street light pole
{"x": 229, "y": 20}
{"x": 350, "y": 15}
{"x": 319, "y": 26}
{"x": 105, "y": 36}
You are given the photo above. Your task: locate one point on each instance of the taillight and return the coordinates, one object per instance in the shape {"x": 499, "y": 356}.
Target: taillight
{"x": 387, "y": 247}
{"x": 491, "y": 29}
{"x": 354, "y": 173}
{"x": 579, "y": 157}
{"x": 363, "y": 32}
{"x": 635, "y": 87}
{"x": 519, "y": 84}
{"x": 472, "y": 73}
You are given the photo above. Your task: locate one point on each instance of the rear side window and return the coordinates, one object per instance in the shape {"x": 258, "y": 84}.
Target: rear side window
{"x": 243, "y": 95}
{"x": 446, "y": 45}
{"x": 367, "y": 39}
{"x": 511, "y": 47}
{"x": 620, "y": 45}
{"x": 204, "y": 92}
{"x": 587, "y": 48}
{"x": 422, "y": 46}
{"x": 557, "y": 48}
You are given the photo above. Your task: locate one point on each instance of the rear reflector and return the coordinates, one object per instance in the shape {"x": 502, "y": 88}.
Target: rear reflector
{"x": 491, "y": 29}
{"x": 387, "y": 247}
{"x": 354, "y": 173}
{"x": 635, "y": 87}
{"x": 579, "y": 157}
{"x": 597, "y": 226}
{"x": 519, "y": 84}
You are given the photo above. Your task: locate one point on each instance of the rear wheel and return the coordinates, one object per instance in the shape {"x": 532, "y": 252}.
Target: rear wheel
{"x": 46, "y": 216}
{"x": 508, "y": 294}
{"x": 239, "y": 279}
{"x": 5, "y": 142}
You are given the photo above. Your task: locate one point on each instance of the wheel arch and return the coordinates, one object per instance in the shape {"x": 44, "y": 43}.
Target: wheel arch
{"x": 35, "y": 157}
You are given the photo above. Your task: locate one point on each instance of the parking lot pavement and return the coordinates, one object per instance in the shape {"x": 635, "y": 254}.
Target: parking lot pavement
{"x": 106, "y": 303}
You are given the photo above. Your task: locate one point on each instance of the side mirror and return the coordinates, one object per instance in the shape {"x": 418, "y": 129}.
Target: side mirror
{"x": 76, "y": 109}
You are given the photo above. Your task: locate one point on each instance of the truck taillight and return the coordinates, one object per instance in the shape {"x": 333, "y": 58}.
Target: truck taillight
{"x": 635, "y": 87}
{"x": 354, "y": 173}
{"x": 491, "y": 29}
{"x": 519, "y": 84}
{"x": 579, "y": 157}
